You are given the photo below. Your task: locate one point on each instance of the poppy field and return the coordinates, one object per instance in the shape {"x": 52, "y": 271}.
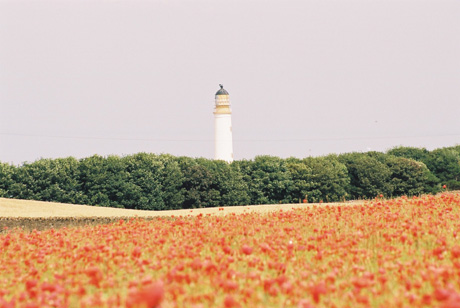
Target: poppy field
{"x": 401, "y": 252}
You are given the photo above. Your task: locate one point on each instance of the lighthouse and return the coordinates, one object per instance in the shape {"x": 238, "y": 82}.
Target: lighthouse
{"x": 223, "y": 141}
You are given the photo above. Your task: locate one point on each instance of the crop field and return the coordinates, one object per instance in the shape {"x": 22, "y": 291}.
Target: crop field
{"x": 401, "y": 252}
{"x": 38, "y": 215}
{"x": 41, "y": 209}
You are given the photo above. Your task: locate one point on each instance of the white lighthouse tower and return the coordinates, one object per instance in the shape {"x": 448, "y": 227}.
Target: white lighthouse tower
{"x": 223, "y": 141}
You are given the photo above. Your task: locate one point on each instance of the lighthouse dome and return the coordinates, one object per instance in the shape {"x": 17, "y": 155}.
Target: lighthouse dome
{"x": 222, "y": 91}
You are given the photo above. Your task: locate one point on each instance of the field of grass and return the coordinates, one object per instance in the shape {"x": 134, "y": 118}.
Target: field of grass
{"x": 401, "y": 252}
{"x": 35, "y": 209}
{"x": 39, "y": 215}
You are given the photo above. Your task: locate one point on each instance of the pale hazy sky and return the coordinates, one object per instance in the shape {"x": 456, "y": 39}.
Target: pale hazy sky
{"x": 79, "y": 78}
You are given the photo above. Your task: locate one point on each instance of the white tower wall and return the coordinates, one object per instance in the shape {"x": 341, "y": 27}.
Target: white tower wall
{"x": 223, "y": 140}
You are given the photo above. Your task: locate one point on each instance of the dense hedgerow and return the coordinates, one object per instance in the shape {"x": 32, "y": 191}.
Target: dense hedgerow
{"x": 163, "y": 182}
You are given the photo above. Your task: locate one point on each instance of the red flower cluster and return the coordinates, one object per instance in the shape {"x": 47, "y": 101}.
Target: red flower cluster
{"x": 403, "y": 252}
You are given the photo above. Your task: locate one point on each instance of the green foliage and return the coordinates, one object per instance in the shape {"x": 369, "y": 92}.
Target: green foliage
{"x": 369, "y": 177}
{"x": 143, "y": 187}
{"x": 199, "y": 185}
{"x": 453, "y": 185}
{"x": 102, "y": 180}
{"x": 268, "y": 179}
{"x": 301, "y": 176}
{"x": 228, "y": 181}
{"x": 455, "y": 148}
{"x": 442, "y": 163}
{"x": 419, "y": 154}
{"x": 209, "y": 183}
{"x": 6, "y": 179}
{"x": 160, "y": 182}
{"x": 47, "y": 180}
{"x": 329, "y": 179}
{"x": 141, "y": 181}
{"x": 445, "y": 164}
{"x": 172, "y": 180}
{"x": 408, "y": 177}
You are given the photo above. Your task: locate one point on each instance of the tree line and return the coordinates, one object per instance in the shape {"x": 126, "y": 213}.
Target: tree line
{"x": 162, "y": 182}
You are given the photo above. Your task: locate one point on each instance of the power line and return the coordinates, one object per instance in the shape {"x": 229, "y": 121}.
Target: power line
{"x": 101, "y": 138}
{"x": 236, "y": 140}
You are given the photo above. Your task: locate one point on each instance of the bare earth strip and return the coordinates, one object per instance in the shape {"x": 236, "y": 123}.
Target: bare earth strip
{"x": 40, "y": 209}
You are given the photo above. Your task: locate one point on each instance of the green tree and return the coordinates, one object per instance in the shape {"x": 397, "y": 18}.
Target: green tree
{"x": 48, "y": 180}
{"x": 228, "y": 180}
{"x": 455, "y": 148}
{"x": 172, "y": 180}
{"x": 256, "y": 195}
{"x": 408, "y": 177}
{"x": 6, "y": 179}
{"x": 103, "y": 180}
{"x": 369, "y": 177}
{"x": 444, "y": 163}
{"x": 329, "y": 179}
{"x": 418, "y": 154}
{"x": 199, "y": 184}
{"x": 142, "y": 188}
{"x": 268, "y": 179}
{"x": 301, "y": 176}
